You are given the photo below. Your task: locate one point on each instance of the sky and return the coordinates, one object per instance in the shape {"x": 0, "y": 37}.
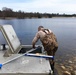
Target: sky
{"x": 41, "y": 6}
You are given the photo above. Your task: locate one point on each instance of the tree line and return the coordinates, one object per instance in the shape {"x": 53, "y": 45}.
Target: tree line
{"x": 8, "y": 12}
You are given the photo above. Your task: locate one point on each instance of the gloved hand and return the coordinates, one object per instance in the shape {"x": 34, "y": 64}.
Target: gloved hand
{"x": 33, "y": 46}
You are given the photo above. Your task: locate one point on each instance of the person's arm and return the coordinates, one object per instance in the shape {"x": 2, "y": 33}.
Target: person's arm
{"x": 35, "y": 40}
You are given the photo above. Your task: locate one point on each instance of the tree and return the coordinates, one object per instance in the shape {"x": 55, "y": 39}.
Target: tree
{"x": 6, "y": 9}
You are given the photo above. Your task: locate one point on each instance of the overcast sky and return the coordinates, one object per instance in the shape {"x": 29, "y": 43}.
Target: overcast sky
{"x": 42, "y": 6}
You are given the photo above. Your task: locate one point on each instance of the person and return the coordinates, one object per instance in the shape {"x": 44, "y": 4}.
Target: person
{"x": 49, "y": 42}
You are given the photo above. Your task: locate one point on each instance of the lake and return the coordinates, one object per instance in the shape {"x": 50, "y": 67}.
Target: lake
{"x": 64, "y": 29}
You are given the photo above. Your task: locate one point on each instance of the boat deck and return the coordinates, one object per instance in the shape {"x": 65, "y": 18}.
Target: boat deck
{"x": 24, "y": 65}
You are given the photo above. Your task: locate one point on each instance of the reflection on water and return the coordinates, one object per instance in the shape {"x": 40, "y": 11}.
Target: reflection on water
{"x": 64, "y": 29}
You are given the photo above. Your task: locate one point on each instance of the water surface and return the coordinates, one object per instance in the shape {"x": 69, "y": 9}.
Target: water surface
{"x": 64, "y": 29}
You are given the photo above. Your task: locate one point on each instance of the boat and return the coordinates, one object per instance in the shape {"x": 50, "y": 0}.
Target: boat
{"x": 17, "y": 59}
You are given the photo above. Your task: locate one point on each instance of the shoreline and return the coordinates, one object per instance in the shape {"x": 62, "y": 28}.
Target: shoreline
{"x": 9, "y": 18}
